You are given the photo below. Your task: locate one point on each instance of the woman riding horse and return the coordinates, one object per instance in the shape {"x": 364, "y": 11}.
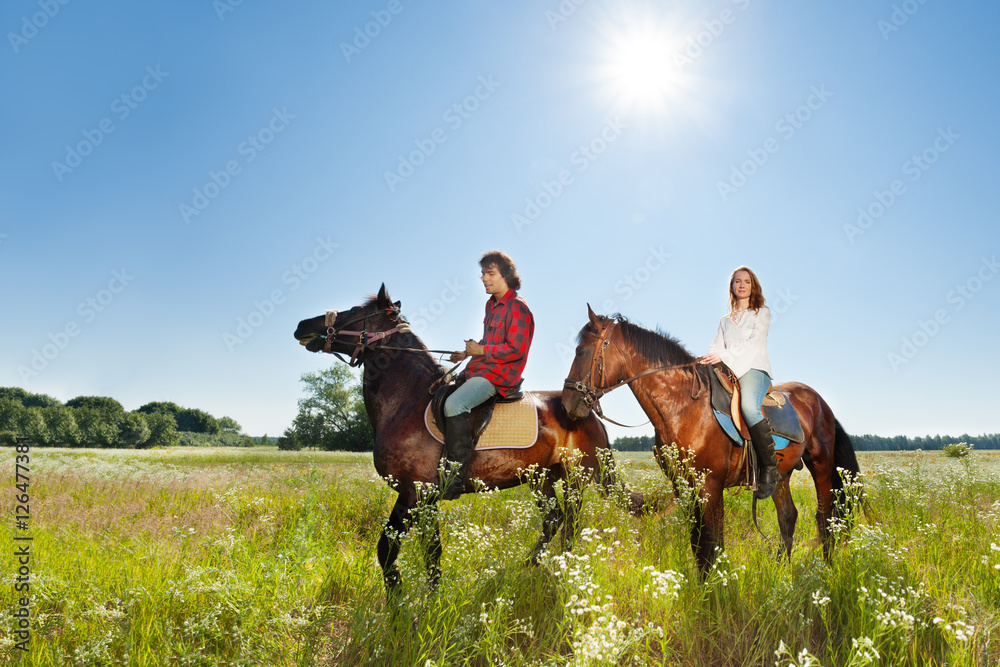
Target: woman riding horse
{"x": 741, "y": 344}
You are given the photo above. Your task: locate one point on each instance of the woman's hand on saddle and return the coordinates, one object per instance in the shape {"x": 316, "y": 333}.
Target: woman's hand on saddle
{"x": 711, "y": 358}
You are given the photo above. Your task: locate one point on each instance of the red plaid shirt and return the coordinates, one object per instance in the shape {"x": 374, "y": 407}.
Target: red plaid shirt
{"x": 507, "y": 331}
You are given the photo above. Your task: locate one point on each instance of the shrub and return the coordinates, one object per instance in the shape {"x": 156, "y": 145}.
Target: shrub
{"x": 958, "y": 450}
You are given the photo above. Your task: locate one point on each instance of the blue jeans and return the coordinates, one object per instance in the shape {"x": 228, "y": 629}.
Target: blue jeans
{"x": 473, "y": 391}
{"x": 753, "y": 389}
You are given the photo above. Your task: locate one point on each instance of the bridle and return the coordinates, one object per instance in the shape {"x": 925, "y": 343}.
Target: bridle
{"x": 364, "y": 338}
{"x": 591, "y": 395}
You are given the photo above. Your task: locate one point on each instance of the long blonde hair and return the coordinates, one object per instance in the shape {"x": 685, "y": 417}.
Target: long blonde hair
{"x": 756, "y": 292}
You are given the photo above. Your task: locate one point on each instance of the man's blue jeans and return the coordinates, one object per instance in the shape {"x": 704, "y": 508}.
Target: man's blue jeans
{"x": 753, "y": 389}
{"x": 474, "y": 391}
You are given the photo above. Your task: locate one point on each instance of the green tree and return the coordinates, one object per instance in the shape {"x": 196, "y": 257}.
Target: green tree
{"x": 97, "y": 428}
{"x": 133, "y": 431}
{"x": 63, "y": 429}
{"x": 196, "y": 421}
{"x": 163, "y": 430}
{"x": 32, "y": 426}
{"x": 229, "y": 425}
{"x": 160, "y": 407}
{"x": 11, "y": 413}
{"x": 289, "y": 441}
{"x": 332, "y": 415}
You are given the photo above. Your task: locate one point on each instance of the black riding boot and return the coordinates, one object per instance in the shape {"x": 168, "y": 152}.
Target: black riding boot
{"x": 767, "y": 467}
{"x": 459, "y": 449}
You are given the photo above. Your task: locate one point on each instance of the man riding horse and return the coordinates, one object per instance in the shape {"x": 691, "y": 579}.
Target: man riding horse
{"x": 498, "y": 360}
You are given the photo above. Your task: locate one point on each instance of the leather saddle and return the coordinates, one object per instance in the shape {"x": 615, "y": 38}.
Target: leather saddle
{"x": 480, "y": 415}
{"x": 777, "y": 409}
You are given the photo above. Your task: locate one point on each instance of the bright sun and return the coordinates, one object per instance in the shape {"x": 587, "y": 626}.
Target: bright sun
{"x": 638, "y": 69}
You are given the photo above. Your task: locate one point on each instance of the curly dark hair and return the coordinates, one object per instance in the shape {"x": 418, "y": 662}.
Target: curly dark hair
{"x": 505, "y": 265}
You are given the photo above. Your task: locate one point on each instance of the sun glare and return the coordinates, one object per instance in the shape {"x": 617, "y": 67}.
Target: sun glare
{"x": 639, "y": 70}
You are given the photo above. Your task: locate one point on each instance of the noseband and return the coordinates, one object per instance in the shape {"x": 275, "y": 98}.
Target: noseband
{"x": 364, "y": 337}
{"x": 592, "y": 395}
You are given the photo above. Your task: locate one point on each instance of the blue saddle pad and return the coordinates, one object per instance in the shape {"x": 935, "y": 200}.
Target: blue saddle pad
{"x": 726, "y": 422}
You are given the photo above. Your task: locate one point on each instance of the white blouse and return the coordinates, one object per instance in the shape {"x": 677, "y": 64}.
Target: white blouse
{"x": 742, "y": 345}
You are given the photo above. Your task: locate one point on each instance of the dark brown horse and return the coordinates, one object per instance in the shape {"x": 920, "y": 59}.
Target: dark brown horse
{"x": 398, "y": 370}
{"x": 673, "y": 390}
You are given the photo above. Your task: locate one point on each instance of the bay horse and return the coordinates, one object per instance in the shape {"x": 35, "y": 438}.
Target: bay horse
{"x": 397, "y": 373}
{"x": 673, "y": 390}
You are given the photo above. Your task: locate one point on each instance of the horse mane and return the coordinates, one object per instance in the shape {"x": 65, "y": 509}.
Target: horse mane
{"x": 658, "y": 347}
{"x": 424, "y": 361}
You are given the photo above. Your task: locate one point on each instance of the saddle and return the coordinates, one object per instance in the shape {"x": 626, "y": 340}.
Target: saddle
{"x": 776, "y": 407}
{"x": 516, "y": 426}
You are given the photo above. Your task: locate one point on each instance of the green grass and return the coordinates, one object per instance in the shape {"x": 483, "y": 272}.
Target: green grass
{"x": 261, "y": 557}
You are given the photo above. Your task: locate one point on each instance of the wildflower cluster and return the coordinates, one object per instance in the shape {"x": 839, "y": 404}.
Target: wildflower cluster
{"x": 664, "y": 584}
{"x": 722, "y": 571}
{"x": 785, "y": 657}
{"x": 985, "y": 560}
{"x": 863, "y": 653}
{"x": 605, "y": 637}
{"x": 955, "y": 630}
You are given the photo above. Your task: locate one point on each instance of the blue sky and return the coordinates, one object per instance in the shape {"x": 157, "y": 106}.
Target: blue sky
{"x": 168, "y": 169}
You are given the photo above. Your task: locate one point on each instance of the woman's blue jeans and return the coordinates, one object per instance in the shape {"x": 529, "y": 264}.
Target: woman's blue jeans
{"x": 473, "y": 391}
{"x": 753, "y": 389}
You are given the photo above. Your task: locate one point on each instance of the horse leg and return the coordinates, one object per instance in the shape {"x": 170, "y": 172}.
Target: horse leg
{"x": 707, "y": 537}
{"x": 389, "y": 542}
{"x": 823, "y": 481}
{"x": 553, "y": 515}
{"x": 787, "y": 516}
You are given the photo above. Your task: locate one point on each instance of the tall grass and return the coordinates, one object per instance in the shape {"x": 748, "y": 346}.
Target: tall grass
{"x": 259, "y": 557}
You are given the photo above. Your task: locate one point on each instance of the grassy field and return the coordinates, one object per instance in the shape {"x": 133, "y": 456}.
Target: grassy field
{"x": 260, "y": 557}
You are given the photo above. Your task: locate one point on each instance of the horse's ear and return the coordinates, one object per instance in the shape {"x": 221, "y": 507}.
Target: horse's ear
{"x": 383, "y": 297}
{"x": 397, "y": 304}
{"x": 595, "y": 319}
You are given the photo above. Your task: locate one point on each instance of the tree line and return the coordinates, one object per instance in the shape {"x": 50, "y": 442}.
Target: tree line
{"x": 102, "y": 422}
{"x": 331, "y": 416}
{"x": 862, "y": 443}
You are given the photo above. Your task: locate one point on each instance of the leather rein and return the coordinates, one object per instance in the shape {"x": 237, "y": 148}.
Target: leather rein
{"x": 592, "y": 395}
{"x": 365, "y": 338}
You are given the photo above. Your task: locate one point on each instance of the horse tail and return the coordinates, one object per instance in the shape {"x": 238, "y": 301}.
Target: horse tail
{"x": 846, "y": 468}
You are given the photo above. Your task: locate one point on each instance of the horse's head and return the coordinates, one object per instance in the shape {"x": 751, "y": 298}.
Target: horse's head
{"x": 350, "y": 332}
{"x": 585, "y": 382}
